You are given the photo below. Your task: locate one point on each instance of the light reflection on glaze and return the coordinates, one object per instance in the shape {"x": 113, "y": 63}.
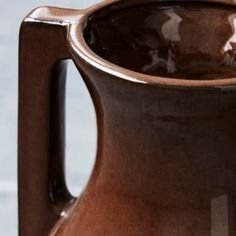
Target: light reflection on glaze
{"x": 230, "y": 46}
{"x": 170, "y": 31}
{"x": 192, "y": 41}
{"x": 170, "y": 28}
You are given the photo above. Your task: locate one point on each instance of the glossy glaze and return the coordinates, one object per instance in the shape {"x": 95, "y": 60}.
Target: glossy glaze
{"x": 166, "y": 147}
{"x": 174, "y": 40}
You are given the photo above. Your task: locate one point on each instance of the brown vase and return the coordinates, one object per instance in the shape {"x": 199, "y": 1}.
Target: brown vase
{"x": 162, "y": 76}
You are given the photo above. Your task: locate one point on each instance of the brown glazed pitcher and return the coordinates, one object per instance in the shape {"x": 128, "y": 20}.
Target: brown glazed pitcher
{"x": 162, "y": 76}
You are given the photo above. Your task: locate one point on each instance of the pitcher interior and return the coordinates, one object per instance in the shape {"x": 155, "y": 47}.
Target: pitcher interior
{"x": 175, "y": 40}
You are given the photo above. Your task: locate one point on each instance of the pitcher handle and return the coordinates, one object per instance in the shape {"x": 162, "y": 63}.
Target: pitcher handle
{"x": 43, "y": 55}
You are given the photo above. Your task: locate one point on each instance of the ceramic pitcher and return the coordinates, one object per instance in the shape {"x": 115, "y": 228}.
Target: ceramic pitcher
{"x": 162, "y": 79}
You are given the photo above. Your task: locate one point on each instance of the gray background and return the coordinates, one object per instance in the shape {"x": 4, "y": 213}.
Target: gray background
{"x": 81, "y": 125}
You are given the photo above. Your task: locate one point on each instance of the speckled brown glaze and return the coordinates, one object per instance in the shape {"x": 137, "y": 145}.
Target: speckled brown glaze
{"x": 166, "y": 161}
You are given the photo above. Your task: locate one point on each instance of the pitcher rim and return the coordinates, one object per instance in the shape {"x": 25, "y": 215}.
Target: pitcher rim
{"x": 81, "y": 49}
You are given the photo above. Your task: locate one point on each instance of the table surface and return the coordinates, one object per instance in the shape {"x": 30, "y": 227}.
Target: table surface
{"x": 81, "y": 125}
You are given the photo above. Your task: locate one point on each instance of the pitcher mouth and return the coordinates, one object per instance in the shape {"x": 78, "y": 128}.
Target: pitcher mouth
{"x": 81, "y": 48}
